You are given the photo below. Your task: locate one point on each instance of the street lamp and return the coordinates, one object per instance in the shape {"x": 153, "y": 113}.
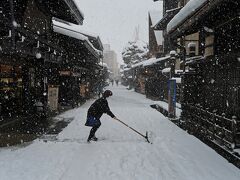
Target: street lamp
{"x": 173, "y": 55}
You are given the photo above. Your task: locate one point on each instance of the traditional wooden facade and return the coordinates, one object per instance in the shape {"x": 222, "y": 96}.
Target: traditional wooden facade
{"x": 81, "y": 65}
{"x": 34, "y": 59}
{"x": 160, "y": 81}
{"x": 150, "y": 79}
{"x": 211, "y": 95}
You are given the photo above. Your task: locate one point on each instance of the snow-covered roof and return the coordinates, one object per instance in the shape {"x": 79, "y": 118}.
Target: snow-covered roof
{"x": 155, "y": 16}
{"x": 189, "y": 9}
{"x": 66, "y": 29}
{"x": 166, "y": 70}
{"x": 78, "y": 28}
{"x": 138, "y": 64}
{"x": 159, "y": 37}
{"x": 126, "y": 69}
{"x": 162, "y": 23}
{"x": 71, "y": 30}
{"x": 150, "y": 62}
{"x": 154, "y": 61}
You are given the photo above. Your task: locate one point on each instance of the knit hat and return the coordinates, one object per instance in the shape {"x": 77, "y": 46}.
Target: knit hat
{"x": 107, "y": 93}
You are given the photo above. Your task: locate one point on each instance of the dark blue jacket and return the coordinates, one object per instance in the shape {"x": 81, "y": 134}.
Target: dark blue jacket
{"x": 99, "y": 107}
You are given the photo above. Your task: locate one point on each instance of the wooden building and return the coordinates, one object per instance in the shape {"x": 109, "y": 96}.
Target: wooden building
{"x": 211, "y": 101}
{"x": 170, "y": 9}
{"x": 150, "y": 79}
{"x": 34, "y": 58}
{"x": 79, "y": 71}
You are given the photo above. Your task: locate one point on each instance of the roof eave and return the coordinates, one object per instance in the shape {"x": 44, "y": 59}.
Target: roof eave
{"x": 161, "y": 25}
{"x": 192, "y": 19}
{"x": 78, "y": 15}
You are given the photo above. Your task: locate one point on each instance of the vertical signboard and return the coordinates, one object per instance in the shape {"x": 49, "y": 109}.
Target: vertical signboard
{"x": 53, "y": 98}
{"x": 172, "y": 98}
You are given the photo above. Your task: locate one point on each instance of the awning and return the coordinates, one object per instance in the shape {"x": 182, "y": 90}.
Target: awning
{"x": 162, "y": 24}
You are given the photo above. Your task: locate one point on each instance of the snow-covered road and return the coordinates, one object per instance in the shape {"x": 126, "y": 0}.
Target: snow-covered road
{"x": 120, "y": 154}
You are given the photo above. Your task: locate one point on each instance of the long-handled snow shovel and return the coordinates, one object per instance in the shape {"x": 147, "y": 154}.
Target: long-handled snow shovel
{"x": 146, "y": 137}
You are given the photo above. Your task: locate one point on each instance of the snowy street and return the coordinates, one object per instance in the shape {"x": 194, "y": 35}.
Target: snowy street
{"x": 120, "y": 153}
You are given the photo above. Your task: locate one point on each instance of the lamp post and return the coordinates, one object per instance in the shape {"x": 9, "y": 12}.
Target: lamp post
{"x": 172, "y": 62}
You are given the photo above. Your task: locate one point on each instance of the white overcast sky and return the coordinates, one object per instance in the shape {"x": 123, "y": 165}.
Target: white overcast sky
{"x": 115, "y": 20}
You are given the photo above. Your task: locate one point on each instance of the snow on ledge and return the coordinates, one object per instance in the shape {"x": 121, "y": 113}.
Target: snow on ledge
{"x": 189, "y": 9}
{"x": 178, "y": 80}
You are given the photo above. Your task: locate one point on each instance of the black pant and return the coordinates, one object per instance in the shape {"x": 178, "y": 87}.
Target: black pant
{"x": 93, "y": 131}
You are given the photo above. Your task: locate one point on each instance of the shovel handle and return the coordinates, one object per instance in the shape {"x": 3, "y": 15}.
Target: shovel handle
{"x": 146, "y": 137}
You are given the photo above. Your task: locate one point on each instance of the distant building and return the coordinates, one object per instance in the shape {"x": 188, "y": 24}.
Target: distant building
{"x": 106, "y": 47}
{"x": 110, "y": 58}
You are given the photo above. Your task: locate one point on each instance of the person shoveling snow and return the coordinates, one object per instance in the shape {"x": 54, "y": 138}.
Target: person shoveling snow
{"x": 95, "y": 112}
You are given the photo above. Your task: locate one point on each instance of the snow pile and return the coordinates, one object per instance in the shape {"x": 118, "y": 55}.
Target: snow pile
{"x": 189, "y": 9}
